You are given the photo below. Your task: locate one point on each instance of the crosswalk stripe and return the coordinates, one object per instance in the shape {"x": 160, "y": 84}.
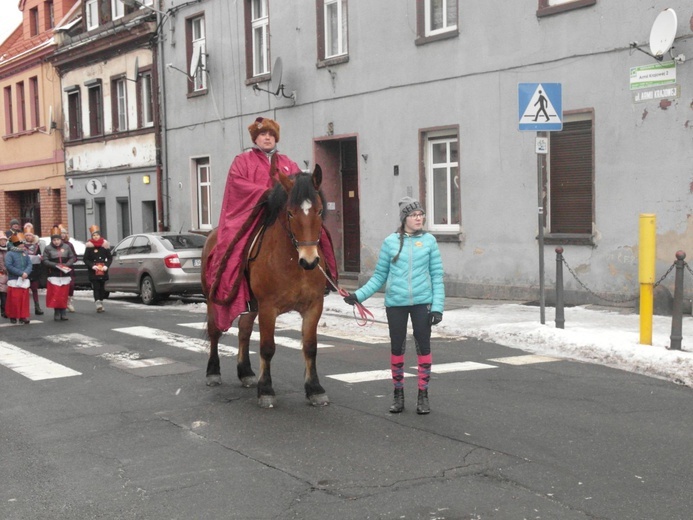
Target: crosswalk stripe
{"x": 175, "y": 340}
{"x": 463, "y": 366}
{"x": 524, "y": 360}
{"x": 255, "y": 336}
{"x": 32, "y": 366}
{"x": 362, "y": 377}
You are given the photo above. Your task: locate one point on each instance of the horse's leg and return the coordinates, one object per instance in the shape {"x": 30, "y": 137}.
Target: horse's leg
{"x": 315, "y": 393}
{"x": 265, "y": 392}
{"x": 245, "y": 329}
{"x": 213, "y": 366}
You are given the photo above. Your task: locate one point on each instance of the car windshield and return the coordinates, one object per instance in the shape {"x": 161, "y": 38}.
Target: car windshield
{"x": 190, "y": 241}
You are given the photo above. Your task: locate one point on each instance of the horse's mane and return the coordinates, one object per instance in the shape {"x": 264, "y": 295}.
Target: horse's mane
{"x": 278, "y": 199}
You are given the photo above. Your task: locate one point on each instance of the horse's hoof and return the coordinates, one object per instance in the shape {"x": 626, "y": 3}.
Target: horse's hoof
{"x": 248, "y": 381}
{"x": 266, "y": 401}
{"x": 319, "y": 400}
{"x": 214, "y": 380}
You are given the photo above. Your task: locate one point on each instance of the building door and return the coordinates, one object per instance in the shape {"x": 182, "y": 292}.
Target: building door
{"x": 350, "y": 205}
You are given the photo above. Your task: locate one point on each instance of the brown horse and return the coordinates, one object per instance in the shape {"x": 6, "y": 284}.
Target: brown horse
{"x": 281, "y": 269}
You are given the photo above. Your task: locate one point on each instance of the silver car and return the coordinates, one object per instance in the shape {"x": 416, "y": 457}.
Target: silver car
{"x": 156, "y": 265}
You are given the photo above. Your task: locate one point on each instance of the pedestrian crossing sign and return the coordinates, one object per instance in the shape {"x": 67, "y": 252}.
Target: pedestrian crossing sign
{"x": 540, "y": 106}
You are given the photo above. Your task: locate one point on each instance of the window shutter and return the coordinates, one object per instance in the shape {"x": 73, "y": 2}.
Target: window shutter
{"x": 571, "y": 178}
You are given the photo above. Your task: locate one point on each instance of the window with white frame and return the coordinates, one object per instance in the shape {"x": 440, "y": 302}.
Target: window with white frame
{"x": 146, "y": 102}
{"x": 117, "y": 9}
{"x": 197, "y": 51}
{"x": 203, "y": 183}
{"x": 91, "y": 13}
{"x": 547, "y": 7}
{"x": 440, "y": 16}
{"x": 442, "y": 177}
{"x": 259, "y": 20}
{"x": 119, "y": 105}
{"x": 335, "y": 28}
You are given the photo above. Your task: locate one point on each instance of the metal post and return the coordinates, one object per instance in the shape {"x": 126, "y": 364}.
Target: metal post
{"x": 677, "y": 313}
{"x": 540, "y": 206}
{"x": 646, "y": 274}
{"x": 560, "y": 315}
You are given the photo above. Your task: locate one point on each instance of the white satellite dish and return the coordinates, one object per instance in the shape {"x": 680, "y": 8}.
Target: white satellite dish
{"x": 276, "y": 82}
{"x": 51, "y": 124}
{"x": 663, "y": 32}
{"x": 195, "y": 60}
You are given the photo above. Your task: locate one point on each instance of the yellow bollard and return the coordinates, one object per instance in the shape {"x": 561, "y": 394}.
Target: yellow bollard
{"x": 646, "y": 274}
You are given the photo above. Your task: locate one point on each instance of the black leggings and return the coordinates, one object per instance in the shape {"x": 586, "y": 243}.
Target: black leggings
{"x": 98, "y": 286}
{"x": 397, "y": 318}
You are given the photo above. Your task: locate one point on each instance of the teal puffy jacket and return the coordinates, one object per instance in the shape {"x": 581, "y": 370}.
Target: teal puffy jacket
{"x": 416, "y": 278}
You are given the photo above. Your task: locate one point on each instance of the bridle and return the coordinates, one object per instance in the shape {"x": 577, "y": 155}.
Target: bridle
{"x": 298, "y": 243}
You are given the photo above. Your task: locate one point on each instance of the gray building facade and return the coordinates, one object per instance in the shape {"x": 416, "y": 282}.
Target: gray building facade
{"x": 422, "y": 98}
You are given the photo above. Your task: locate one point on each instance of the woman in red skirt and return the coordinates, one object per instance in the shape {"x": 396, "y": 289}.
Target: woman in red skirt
{"x": 18, "y": 267}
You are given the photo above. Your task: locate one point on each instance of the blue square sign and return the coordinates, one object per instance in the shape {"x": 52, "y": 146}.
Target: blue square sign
{"x": 540, "y": 106}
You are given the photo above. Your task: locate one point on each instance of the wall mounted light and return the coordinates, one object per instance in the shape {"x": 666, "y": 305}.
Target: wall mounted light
{"x": 145, "y": 179}
{"x": 365, "y": 157}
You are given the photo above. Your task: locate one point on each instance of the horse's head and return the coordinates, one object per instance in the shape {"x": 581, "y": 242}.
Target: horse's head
{"x": 304, "y": 204}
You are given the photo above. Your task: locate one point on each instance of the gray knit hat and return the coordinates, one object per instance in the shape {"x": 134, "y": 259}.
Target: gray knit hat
{"x": 408, "y": 205}
{"x": 14, "y": 222}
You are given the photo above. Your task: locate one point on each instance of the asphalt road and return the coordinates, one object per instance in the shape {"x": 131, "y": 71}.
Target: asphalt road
{"x": 123, "y": 426}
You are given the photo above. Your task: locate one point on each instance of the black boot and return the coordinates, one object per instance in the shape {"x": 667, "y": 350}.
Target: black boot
{"x": 37, "y": 309}
{"x": 398, "y": 403}
{"x": 422, "y": 407}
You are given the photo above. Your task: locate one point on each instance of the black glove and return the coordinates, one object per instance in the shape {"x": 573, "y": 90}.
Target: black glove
{"x": 434, "y": 318}
{"x": 351, "y": 299}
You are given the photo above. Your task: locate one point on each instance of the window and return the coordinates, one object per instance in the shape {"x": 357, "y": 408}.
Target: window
{"x": 74, "y": 113}
{"x": 257, "y": 42}
{"x": 91, "y": 14}
{"x": 145, "y": 102}
{"x": 21, "y": 107}
{"x": 95, "y": 109}
{"x": 570, "y": 176}
{"x": 442, "y": 180}
{"x": 119, "y": 105}
{"x": 117, "y": 9}
{"x": 332, "y": 29}
{"x": 204, "y": 193}
{"x": 436, "y": 19}
{"x": 35, "y": 121}
{"x": 9, "y": 124}
{"x": 34, "y": 21}
{"x": 50, "y": 14}
{"x": 197, "y": 54}
{"x": 547, "y": 7}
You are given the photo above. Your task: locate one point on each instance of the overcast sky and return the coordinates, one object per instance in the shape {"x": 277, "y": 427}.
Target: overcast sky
{"x": 10, "y": 18}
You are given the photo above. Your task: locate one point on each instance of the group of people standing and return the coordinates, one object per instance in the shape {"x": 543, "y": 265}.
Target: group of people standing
{"x": 22, "y": 261}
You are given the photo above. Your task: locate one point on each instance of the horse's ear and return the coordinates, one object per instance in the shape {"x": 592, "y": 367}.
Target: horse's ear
{"x": 285, "y": 181}
{"x": 317, "y": 177}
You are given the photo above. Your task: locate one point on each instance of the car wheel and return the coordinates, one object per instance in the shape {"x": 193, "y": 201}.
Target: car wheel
{"x": 148, "y": 291}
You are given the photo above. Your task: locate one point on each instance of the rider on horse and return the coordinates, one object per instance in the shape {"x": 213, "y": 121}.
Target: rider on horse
{"x": 248, "y": 180}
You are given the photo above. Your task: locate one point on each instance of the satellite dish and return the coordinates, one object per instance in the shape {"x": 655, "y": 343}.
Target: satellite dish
{"x": 137, "y": 67}
{"x": 196, "y": 60}
{"x": 276, "y": 82}
{"x": 51, "y": 124}
{"x": 663, "y": 32}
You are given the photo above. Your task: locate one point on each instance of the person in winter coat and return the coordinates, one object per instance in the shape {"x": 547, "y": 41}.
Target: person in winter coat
{"x": 15, "y": 228}
{"x": 410, "y": 267}
{"x": 58, "y": 259}
{"x": 3, "y": 273}
{"x": 248, "y": 179}
{"x": 33, "y": 249}
{"x": 65, "y": 236}
{"x": 98, "y": 258}
{"x": 18, "y": 267}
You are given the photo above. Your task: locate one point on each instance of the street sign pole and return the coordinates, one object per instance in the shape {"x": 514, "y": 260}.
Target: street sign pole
{"x": 540, "y": 109}
{"x": 540, "y": 207}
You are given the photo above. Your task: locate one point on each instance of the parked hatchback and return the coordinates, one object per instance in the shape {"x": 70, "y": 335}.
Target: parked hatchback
{"x": 156, "y": 265}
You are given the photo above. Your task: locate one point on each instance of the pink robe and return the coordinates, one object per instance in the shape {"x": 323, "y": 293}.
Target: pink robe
{"x": 247, "y": 181}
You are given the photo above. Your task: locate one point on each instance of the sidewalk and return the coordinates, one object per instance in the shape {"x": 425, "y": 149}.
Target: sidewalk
{"x": 605, "y": 336}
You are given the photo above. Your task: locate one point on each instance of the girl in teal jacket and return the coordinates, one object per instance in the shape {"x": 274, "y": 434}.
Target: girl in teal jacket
{"x": 410, "y": 267}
